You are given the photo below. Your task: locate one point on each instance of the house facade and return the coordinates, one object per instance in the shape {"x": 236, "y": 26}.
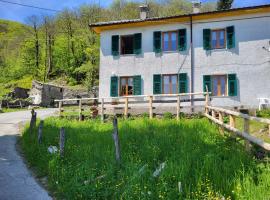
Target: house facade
{"x": 224, "y": 51}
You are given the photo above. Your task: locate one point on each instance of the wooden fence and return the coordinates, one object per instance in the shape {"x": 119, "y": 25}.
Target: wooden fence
{"x": 127, "y": 100}
{"x": 217, "y": 115}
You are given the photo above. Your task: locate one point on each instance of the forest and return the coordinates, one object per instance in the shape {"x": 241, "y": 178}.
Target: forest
{"x": 61, "y": 48}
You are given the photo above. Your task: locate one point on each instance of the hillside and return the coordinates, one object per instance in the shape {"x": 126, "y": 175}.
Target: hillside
{"x": 61, "y": 48}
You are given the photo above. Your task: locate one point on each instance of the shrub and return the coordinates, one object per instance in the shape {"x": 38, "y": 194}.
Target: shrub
{"x": 167, "y": 115}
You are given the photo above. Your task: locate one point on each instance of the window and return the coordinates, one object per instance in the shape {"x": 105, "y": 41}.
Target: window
{"x": 126, "y": 86}
{"x": 169, "y": 84}
{"x": 219, "y": 85}
{"x": 218, "y": 39}
{"x": 127, "y": 44}
{"x": 169, "y": 41}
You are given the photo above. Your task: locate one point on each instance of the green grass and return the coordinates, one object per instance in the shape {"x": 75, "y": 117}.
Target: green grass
{"x": 207, "y": 164}
{"x": 6, "y": 110}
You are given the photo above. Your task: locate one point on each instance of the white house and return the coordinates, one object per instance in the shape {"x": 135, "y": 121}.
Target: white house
{"x": 224, "y": 50}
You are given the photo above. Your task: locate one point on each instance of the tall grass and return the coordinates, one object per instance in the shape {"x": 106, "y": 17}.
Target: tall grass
{"x": 208, "y": 165}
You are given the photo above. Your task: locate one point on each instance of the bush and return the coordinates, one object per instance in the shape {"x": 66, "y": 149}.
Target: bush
{"x": 264, "y": 113}
{"x": 167, "y": 115}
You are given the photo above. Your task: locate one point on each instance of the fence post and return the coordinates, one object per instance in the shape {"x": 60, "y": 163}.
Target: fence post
{"x": 33, "y": 120}
{"x": 214, "y": 114}
{"x": 40, "y": 131}
{"x": 102, "y": 110}
{"x": 220, "y": 118}
{"x": 116, "y": 140}
{"x": 246, "y": 130}
{"x": 80, "y": 110}
{"x": 232, "y": 121}
{"x": 207, "y": 101}
{"x": 150, "y": 107}
{"x": 178, "y": 108}
{"x": 126, "y": 108}
{"x": 60, "y": 108}
{"x": 62, "y": 141}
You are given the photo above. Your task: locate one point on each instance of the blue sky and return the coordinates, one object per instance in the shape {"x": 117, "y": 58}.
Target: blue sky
{"x": 19, "y": 13}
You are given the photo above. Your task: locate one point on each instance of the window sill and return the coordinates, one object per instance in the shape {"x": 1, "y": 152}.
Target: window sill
{"x": 176, "y": 51}
{"x": 221, "y": 97}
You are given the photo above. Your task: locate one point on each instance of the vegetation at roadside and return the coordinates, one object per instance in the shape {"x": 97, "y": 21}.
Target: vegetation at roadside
{"x": 199, "y": 162}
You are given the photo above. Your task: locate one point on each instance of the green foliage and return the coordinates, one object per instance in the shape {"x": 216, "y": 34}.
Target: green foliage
{"x": 264, "y": 113}
{"x": 208, "y": 165}
{"x": 50, "y": 47}
{"x": 167, "y": 115}
{"x": 224, "y": 4}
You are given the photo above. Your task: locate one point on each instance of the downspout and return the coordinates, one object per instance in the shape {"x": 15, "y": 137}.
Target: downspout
{"x": 192, "y": 65}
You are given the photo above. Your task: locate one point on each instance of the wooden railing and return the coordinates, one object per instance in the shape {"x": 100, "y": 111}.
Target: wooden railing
{"x": 127, "y": 100}
{"x": 217, "y": 115}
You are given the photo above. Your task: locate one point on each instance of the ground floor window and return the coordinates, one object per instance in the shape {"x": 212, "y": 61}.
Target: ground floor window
{"x": 170, "y": 85}
{"x": 219, "y": 83}
{"x": 126, "y": 86}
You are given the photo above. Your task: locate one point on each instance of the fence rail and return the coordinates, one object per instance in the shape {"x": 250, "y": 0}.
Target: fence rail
{"x": 126, "y": 100}
{"x": 217, "y": 115}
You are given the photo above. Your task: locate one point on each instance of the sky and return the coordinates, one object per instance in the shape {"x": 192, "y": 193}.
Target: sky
{"x": 20, "y": 13}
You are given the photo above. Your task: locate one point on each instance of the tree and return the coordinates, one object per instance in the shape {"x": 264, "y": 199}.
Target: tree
{"x": 34, "y": 23}
{"x": 49, "y": 31}
{"x": 224, "y": 4}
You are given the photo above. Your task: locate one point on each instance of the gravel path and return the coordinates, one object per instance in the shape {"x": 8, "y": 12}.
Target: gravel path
{"x": 16, "y": 181}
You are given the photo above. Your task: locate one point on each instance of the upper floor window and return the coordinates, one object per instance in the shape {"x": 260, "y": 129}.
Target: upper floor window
{"x": 169, "y": 41}
{"x": 218, "y": 39}
{"x": 127, "y": 44}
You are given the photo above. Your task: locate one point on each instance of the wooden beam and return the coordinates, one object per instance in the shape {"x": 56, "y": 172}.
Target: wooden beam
{"x": 232, "y": 121}
{"x": 102, "y": 110}
{"x": 238, "y": 114}
{"x": 244, "y": 135}
{"x": 60, "y": 108}
{"x": 151, "y": 107}
{"x": 246, "y": 130}
{"x": 126, "y": 108}
{"x": 80, "y": 110}
{"x": 178, "y": 108}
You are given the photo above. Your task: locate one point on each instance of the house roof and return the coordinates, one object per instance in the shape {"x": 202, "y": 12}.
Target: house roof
{"x": 101, "y": 26}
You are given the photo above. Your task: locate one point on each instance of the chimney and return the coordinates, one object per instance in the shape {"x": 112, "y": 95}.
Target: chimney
{"x": 144, "y": 11}
{"x": 196, "y": 5}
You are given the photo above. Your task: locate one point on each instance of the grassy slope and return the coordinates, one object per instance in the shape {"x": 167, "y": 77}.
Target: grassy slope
{"x": 11, "y": 36}
{"x": 207, "y": 165}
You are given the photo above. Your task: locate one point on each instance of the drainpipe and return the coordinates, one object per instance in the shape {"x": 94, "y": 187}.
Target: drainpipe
{"x": 192, "y": 65}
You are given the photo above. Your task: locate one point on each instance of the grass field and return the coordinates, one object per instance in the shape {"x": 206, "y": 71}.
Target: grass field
{"x": 199, "y": 162}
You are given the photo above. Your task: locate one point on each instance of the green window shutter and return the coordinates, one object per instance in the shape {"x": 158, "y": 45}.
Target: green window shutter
{"x": 182, "y": 39}
{"x": 182, "y": 83}
{"x": 157, "y": 84}
{"x": 157, "y": 41}
{"x": 114, "y": 86}
{"x": 230, "y": 37}
{"x": 137, "y": 85}
{"x": 207, "y": 82}
{"x": 115, "y": 45}
{"x": 206, "y": 39}
{"x": 232, "y": 84}
{"x": 137, "y": 44}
